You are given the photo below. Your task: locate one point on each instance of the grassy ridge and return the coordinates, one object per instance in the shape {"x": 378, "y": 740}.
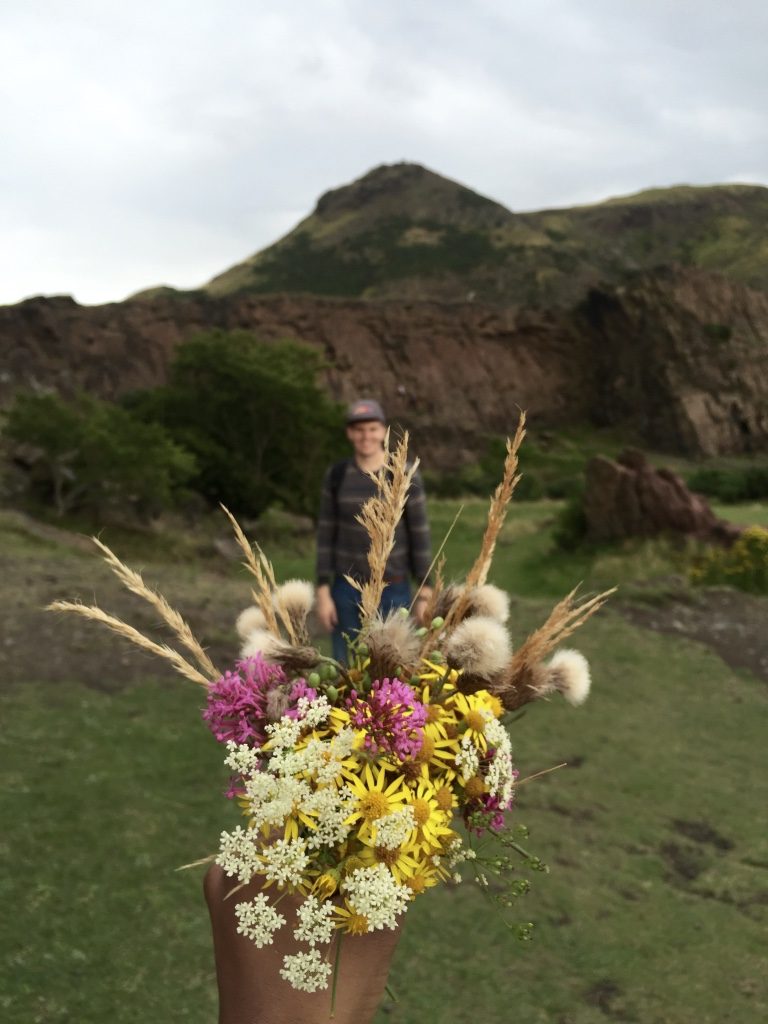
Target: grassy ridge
{"x": 658, "y": 883}
{"x": 404, "y": 223}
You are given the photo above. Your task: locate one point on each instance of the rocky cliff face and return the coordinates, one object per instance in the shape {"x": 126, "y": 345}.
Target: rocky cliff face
{"x": 678, "y": 357}
{"x": 684, "y": 356}
{"x": 447, "y": 373}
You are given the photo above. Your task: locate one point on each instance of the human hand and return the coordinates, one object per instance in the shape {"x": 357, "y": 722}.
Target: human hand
{"x": 421, "y": 604}
{"x": 325, "y": 609}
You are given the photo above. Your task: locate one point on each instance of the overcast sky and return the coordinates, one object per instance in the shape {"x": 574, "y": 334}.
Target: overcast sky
{"x": 147, "y": 143}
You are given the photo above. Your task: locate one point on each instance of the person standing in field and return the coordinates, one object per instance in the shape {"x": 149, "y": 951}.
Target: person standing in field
{"x": 342, "y": 543}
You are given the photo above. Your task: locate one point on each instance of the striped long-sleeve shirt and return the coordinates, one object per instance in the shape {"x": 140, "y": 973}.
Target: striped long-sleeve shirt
{"x": 342, "y": 543}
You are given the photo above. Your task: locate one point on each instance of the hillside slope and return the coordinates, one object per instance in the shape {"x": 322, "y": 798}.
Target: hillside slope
{"x": 402, "y": 231}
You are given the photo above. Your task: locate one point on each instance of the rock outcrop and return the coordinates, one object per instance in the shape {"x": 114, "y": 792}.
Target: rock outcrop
{"x": 629, "y": 498}
{"x": 448, "y": 373}
{"x": 678, "y": 358}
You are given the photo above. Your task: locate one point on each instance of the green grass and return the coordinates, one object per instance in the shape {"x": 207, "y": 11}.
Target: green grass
{"x": 658, "y": 885}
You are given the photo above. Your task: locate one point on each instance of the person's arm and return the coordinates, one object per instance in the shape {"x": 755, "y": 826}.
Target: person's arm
{"x": 326, "y": 538}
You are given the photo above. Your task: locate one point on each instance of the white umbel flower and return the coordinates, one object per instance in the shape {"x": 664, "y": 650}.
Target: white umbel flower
{"x": 376, "y": 895}
{"x": 480, "y": 645}
{"x": 306, "y": 972}
{"x": 285, "y": 861}
{"x": 241, "y": 758}
{"x": 239, "y": 853}
{"x": 569, "y": 673}
{"x": 258, "y": 920}
{"x": 315, "y": 922}
{"x": 249, "y": 620}
{"x": 393, "y": 829}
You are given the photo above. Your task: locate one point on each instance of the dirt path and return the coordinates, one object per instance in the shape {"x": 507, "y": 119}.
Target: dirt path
{"x": 732, "y": 624}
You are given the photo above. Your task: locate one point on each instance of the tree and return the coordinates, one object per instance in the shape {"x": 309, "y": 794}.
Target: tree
{"x": 260, "y": 428}
{"x": 89, "y": 455}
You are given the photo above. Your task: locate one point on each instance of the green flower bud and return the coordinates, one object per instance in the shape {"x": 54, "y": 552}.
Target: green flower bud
{"x": 437, "y": 622}
{"x": 314, "y": 679}
{"x": 421, "y": 631}
{"x": 332, "y": 694}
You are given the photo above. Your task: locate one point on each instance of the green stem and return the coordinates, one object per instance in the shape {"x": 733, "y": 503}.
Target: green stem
{"x": 391, "y": 993}
{"x": 336, "y": 973}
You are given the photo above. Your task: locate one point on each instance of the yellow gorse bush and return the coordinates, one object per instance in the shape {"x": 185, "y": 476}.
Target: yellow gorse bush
{"x": 744, "y": 565}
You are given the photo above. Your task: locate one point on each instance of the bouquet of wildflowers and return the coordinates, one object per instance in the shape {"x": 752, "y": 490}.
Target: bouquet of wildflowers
{"x": 364, "y": 785}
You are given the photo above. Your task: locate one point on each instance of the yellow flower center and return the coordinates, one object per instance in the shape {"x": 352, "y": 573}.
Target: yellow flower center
{"x": 475, "y": 720}
{"x": 444, "y": 798}
{"x": 417, "y": 884}
{"x": 352, "y": 863}
{"x": 434, "y": 712}
{"x": 474, "y": 787}
{"x": 427, "y": 750}
{"x": 357, "y": 924}
{"x": 373, "y": 805}
{"x": 385, "y": 856}
{"x": 421, "y": 811}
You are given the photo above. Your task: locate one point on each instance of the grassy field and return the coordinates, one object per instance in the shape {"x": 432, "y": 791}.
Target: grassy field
{"x": 655, "y": 907}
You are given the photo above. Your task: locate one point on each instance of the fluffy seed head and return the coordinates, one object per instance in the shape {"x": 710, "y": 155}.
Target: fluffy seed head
{"x": 249, "y": 620}
{"x": 261, "y": 641}
{"x": 296, "y": 598}
{"x": 392, "y": 641}
{"x": 480, "y": 646}
{"x": 569, "y": 673}
{"x": 491, "y": 602}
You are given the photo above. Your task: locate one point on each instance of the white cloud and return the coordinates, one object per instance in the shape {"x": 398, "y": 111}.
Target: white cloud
{"x": 163, "y": 141}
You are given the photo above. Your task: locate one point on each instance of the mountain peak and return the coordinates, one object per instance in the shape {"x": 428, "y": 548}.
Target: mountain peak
{"x": 403, "y": 231}
{"x": 411, "y": 190}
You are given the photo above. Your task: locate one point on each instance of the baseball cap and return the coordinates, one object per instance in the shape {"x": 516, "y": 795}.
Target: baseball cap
{"x": 365, "y": 409}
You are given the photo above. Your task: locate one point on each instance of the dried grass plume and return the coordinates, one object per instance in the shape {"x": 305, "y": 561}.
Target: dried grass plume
{"x": 380, "y": 516}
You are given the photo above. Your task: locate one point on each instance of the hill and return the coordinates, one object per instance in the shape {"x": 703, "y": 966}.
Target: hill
{"x": 648, "y": 313}
{"x": 402, "y": 231}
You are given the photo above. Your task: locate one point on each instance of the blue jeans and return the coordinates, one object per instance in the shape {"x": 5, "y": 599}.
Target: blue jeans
{"x": 346, "y": 599}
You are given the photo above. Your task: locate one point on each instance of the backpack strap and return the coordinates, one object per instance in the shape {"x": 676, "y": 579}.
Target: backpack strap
{"x": 335, "y": 480}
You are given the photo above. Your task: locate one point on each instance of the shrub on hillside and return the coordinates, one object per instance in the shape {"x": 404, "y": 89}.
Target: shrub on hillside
{"x": 261, "y": 430}
{"x": 570, "y": 528}
{"x": 744, "y": 565}
{"x": 93, "y": 457}
{"x": 733, "y": 484}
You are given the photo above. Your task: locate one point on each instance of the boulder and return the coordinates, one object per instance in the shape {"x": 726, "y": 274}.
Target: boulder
{"x": 630, "y": 498}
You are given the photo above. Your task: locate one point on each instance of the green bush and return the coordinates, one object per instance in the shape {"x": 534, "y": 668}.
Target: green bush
{"x": 261, "y": 430}
{"x": 570, "y": 527}
{"x": 544, "y": 474}
{"x": 744, "y": 565}
{"x": 90, "y": 456}
{"x": 732, "y": 484}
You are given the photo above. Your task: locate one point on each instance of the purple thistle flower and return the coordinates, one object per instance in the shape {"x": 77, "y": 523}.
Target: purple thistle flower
{"x": 243, "y": 702}
{"x": 392, "y": 718}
